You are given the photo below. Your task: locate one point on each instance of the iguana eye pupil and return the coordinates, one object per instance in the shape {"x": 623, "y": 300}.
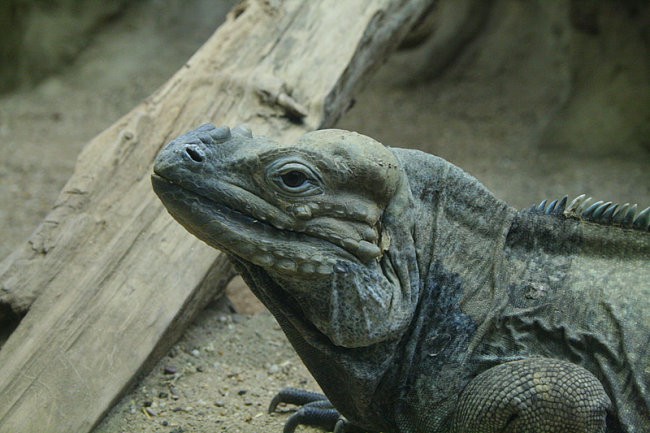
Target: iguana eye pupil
{"x": 294, "y": 179}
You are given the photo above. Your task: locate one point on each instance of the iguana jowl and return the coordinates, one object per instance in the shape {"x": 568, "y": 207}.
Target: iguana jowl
{"x": 418, "y": 300}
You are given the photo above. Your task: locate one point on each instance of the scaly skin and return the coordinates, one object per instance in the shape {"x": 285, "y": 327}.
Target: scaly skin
{"x": 419, "y": 301}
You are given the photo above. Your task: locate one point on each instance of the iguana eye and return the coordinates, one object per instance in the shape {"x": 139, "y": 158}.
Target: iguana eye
{"x": 294, "y": 178}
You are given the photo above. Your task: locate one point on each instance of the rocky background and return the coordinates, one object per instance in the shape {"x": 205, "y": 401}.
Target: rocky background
{"x": 537, "y": 99}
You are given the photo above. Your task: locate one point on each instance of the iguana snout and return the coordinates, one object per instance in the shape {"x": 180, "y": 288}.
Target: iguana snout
{"x": 296, "y": 208}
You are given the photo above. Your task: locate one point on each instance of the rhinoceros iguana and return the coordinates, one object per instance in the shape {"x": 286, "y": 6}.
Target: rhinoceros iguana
{"x": 418, "y": 300}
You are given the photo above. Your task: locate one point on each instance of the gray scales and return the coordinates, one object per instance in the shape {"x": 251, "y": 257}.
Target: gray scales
{"x": 418, "y": 300}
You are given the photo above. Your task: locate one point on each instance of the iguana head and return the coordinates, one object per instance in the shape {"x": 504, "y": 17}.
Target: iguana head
{"x": 309, "y": 214}
{"x": 295, "y": 208}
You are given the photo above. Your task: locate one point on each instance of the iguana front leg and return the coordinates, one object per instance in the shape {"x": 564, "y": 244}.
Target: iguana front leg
{"x": 533, "y": 396}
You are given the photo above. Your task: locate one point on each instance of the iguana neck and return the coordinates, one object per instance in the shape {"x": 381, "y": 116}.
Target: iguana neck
{"x": 460, "y": 227}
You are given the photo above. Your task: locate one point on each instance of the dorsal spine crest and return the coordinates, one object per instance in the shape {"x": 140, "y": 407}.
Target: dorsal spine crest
{"x": 601, "y": 212}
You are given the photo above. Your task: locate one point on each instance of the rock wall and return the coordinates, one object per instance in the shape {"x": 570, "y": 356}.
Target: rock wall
{"x": 39, "y": 36}
{"x": 592, "y": 56}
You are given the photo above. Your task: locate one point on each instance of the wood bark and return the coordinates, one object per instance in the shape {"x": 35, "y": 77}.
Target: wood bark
{"x": 108, "y": 281}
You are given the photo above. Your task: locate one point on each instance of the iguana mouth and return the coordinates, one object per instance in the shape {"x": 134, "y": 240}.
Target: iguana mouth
{"x": 222, "y": 223}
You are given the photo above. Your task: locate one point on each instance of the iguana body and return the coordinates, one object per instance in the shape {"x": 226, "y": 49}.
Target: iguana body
{"x": 399, "y": 279}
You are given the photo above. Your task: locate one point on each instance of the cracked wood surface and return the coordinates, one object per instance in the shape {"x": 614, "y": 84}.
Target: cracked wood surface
{"x": 108, "y": 281}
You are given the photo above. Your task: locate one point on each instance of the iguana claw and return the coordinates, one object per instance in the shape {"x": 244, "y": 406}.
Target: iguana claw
{"x": 316, "y": 409}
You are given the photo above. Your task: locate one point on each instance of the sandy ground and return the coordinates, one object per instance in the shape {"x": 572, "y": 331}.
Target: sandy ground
{"x": 490, "y": 114}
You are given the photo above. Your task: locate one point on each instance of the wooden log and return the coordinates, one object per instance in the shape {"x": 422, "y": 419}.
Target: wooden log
{"x": 109, "y": 280}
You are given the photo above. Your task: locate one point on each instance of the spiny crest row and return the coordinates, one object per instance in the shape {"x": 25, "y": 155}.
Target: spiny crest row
{"x": 599, "y": 212}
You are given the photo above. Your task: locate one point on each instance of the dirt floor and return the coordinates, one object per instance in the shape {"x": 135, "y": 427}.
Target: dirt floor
{"x": 498, "y": 111}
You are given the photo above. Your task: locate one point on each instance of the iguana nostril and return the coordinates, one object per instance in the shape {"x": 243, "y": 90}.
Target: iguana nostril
{"x": 194, "y": 153}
